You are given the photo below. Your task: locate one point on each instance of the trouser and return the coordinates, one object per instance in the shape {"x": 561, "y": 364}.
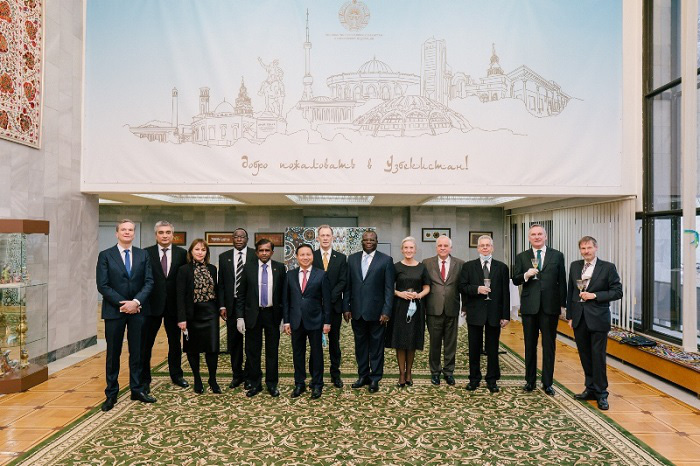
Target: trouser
{"x": 173, "y": 332}
{"x": 442, "y": 329}
{"x": 369, "y": 348}
{"x": 476, "y": 337}
{"x": 234, "y": 342}
{"x": 334, "y": 344}
{"x": 268, "y": 325}
{"x": 592, "y": 350}
{"x": 114, "y": 335}
{"x": 533, "y": 324}
{"x": 299, "y": 337}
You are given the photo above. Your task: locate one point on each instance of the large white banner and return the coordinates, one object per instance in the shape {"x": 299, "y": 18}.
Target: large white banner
{"x": 343, "y": 96}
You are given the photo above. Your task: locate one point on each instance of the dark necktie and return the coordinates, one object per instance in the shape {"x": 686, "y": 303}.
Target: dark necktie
{"x": 539, "y": 259}
{"x": 303, "y": 281}
{"x": 585, "y": 267}
{"x": 127, "y": 263}
{"x": 263, "y": 287}
{"x": 443, "y": 272}
{"x": 164, "y": 262}
{"x": 239, "y": 273}
{"x": 486, "y": 269}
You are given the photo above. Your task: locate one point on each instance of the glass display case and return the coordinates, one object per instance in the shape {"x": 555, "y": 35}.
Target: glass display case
{"x": 24, "y": 268}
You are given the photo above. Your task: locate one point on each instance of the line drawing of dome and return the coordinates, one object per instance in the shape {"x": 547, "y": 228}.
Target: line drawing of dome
{"x": 411, "y": 115}
{"x": 374, "y": 66}
{"x": 224, "y": 108}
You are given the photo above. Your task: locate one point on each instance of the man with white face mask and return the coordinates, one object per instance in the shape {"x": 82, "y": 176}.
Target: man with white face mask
{"x": 485, "y": 282}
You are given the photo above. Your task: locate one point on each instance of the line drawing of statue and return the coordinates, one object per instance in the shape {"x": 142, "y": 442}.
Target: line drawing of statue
{"x": 273, "y": 87}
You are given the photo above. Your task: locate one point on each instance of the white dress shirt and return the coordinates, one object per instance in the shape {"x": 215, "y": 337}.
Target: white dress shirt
{"x": 131, "y": 255}
{"x": 448, "y": 259}
{"x": 589, "y": 270}
{"x": 301, "y": 275}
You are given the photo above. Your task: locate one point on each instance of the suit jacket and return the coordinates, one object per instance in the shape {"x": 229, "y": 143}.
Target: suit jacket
{"x": 479, "y": 310}
{"x": 549, "y": 291}
{"x": 605, "y": 283}
{"x": 444, "y": 296}
{"x": 185, "y": 290}
{"x": 373, "y": 296}
{"x": 248, "y": 302}
{"x": 312, "y": 307}
{"x": 227, "y": 277}
{"x": 337, "y": 275}
{"x": 163, "y": 299}
{"x": 115, "y": 285}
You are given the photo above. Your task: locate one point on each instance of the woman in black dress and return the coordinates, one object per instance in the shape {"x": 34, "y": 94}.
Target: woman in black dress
{"x": 407, "y": 333}
{"x": 198, "y": 313}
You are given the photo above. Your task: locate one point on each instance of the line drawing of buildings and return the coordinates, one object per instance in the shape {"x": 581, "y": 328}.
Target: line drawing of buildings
{"x": 373, "y": 101}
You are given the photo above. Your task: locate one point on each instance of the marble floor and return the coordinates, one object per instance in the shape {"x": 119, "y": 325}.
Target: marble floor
{"x": 664, "y": 417}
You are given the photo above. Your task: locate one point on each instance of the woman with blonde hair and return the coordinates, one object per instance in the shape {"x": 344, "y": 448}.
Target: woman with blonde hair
{"x": 406, "y": 329}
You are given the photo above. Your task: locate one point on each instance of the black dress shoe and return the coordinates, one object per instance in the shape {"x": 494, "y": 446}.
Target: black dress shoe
{"x": 235, "y": 383}
{"x": 528, "y": 387}
{"x": 109, "y": 403}
{"x": 147, "y": 389}
{"x": 143, "y": 397}
{"x": 316, "y": 393}
{"x": 585, "y": 395}
{"x": 247, "y": 385}
{"x": 253, "y": 391}
{"x": 493, "y": 388}
{"x": 359, "y": 383}
{"x": 549, "y": 390}
{"x": 198, "y": 387}
{"x": 435, "y": 379}
{"x": 273, "y": 391}
{"x": 603, "y": 403}
{"x": 409, "y": 382}
{"x": 181, "y": 382}
{"x": 450, "y": 379}
{"x": 373, "y": 387}
{"x": 400, "y": 385}
{"x": 471, "y": 386}
{"x": 215, "y": 387}
{"x": 298, "y": 390}
{"x": 337, "y": 382}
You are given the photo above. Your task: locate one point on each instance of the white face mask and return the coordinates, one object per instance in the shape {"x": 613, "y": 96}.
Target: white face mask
{"x": 485, "y": 258}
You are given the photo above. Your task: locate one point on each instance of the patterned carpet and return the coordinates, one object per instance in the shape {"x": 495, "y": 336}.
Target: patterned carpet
{"x": 424, "y": 424}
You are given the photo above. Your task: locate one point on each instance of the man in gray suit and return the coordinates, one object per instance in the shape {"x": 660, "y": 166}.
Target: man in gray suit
{"x": 442, "y": 309}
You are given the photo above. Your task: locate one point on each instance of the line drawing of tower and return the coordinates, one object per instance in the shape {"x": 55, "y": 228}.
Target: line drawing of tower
{"x": 243, "y": 105}
{"x": 495, "y": 66}
{"x": 203, "y": 100}
{"x": 174, "y": 118}
{"x": 308, "y": 79}
{"x": 434, "y": 71}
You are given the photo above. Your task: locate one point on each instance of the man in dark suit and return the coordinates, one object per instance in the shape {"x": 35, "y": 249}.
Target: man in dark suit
{"x": 368, "y": 300}
{"x": 541, "y": 300}
{"x": 307, "y": 314}
{"x": 124, "y": 279}
{"x": 231, "y": 266}
{"x": 442, "y": 310}
{"x": 258, "y": 309}
{"x": 589, "y": 315}
{"x": 165, "y": 260}
{"x": 488, "y": 306}
{"x": 335, "y": 265}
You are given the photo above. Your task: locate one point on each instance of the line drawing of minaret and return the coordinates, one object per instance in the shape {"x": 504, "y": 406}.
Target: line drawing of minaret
{"x": 173, "y": 118}
{"x": 308, "y": 79}
{"x": 495, "y": 65}
{"x": 434, "y": 71}
{"x": 203, "y": 100}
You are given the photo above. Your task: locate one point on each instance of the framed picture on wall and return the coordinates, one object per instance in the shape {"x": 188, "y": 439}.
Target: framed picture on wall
{"x": 180, "y": 238}
{"x": 275, "y": 238}
{"x": 430, "y": 235}
{"x": 474, "y": 237}
{"x": 218, "y": 238}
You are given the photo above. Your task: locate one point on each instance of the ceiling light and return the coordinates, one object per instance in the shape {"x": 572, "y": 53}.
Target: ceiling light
{"x": 109, "y": 201}
{"x": 191, "y": 198}
{"x": 469, "y": 200}
{"x": 322, "y": 199}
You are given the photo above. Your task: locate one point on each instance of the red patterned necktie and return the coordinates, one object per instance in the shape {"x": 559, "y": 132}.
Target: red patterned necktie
{"x": 303, "y": 281}
{"x": 442, "y": 271}
{"x": 164, "y": 262}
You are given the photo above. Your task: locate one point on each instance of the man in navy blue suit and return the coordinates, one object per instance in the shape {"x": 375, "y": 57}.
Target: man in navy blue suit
{"x": 368, "y": 300}
{"x": 125, "y": 280}
{"x": 306, "y": 308}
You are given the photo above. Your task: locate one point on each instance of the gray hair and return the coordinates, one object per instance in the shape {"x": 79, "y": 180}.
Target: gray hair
{"x": 409, "y": 239}
{"x": 449, "y": 240}
{"x": 164, "y": 223}
{"x": 485, "y": 237}
{"x": 537, "y": 225}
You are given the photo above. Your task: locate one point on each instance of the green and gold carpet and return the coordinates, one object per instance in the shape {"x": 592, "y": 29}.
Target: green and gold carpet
{"x": 423, "y": 424}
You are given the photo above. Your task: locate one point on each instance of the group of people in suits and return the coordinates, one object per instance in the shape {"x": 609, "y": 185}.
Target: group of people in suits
{"x": 388, "y": 305}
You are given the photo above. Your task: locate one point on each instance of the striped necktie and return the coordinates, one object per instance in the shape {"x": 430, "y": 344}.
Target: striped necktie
{"x": 239, "y": 273}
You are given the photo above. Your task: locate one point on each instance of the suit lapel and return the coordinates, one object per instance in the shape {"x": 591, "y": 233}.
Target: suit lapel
{"x": 450, "y": 271}
{"x": 371, "y": 264}
{"x": 295, "y": 279}
{"x": 118, "y": 257}
{"x": 596, "y": 271}
{"x": 156, "y": 259}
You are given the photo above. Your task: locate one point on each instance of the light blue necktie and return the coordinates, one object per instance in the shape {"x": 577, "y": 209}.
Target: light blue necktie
{"x": 365, "y": 265}
{"x": 263, "y": 287}
{"x": 127, "y": 263}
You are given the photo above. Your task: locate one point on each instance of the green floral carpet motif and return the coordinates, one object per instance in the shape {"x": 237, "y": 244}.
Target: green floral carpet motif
{"x": 423, "y": 424}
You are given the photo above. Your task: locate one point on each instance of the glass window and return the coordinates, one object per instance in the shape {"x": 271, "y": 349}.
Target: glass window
{"x": 665, "y": 148}
{"x": 637, "y": 303}
{"x": 666, "y": 45}
{"x": 666, "y": 290}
